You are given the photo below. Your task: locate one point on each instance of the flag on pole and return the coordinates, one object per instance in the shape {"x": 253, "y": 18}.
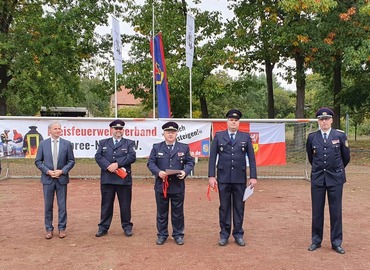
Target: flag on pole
{"x": 190, "y": 25}
{"x": 117, "y": 46}
{"x": 164, "y": 105}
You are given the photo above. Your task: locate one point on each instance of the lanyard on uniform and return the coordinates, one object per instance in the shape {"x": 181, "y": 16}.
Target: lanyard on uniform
{"x": 209, "y": 191}
{"x": 165, "y": 185}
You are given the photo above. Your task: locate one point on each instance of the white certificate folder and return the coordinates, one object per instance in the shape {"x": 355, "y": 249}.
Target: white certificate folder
{"x": 248, "y": 192}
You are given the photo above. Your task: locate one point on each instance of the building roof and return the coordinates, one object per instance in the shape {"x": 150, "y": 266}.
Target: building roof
{"x": 64, "y": 111}
{"x": 125, "y": 98}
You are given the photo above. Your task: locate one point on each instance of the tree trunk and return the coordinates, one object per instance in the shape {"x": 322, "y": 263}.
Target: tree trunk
{"x": 300, "y": 86}
{"x": 299, "y": 128}
{"x": 4, "y": 80}
{"x": 270, "y": 89}
{"x": 203, "y": 107}
{"x": 337, "y": 87}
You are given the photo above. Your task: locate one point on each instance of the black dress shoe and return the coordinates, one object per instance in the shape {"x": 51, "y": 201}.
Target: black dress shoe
{"x": 128, "y": 232}
{"x": 161, "y": 240}
{"x": 240, "y": 242}
{"x": 101, "y": 233}
{"x": 314, "y": 247}
{"x": 222, "y": 242}
{"x": 179, "y": 240}
{"x": 339, "y": 249}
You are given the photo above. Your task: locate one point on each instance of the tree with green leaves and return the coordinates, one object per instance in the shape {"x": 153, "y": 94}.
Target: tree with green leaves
{"x": 45, "y": 49}
{"x": 342, "y": 56}
{"x": 252, "y": 35}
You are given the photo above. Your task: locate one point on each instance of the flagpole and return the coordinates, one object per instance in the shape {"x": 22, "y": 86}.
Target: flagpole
{"x": 115, "y": 94}
{"x": 153, "y": 59}
{"x": 115, "y": 80}
{"x": 191, "y": 95}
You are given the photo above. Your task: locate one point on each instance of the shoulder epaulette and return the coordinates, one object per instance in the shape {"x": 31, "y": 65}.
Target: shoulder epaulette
{"x": 340, "y": 130}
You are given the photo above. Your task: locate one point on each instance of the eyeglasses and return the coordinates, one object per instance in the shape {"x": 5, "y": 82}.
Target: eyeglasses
{"x": 118, "y": 128}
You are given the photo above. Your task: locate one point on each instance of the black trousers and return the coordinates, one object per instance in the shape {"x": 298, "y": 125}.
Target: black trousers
{"x": 108, "y": 194}
{"x": 177, "y": 214}
{"x": 318, "y": 195}
{"x": 231, "y": 206}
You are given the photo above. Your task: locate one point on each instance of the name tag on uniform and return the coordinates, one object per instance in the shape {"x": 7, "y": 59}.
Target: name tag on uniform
{"x": 335, "y": 141}
{"x": 180, "y": 154}
{"x": 160, "y": 154}
{"x": 104, "y": 147}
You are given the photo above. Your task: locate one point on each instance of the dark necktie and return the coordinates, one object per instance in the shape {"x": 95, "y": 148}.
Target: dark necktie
{"x": 115, "y": 142}
{"x": 232, "y": 137}
{"x": 325, "y": 138}
{"x": 170, "y": 147}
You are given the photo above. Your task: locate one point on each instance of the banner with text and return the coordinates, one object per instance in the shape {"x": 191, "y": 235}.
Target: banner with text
{"x": 20, "y": 138}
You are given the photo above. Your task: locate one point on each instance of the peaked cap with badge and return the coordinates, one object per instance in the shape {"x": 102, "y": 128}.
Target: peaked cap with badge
{"x": 117, "y": 123}
{"x": 324, "y": 112}
{"x": 236, "y": 114}
{"x": 170, "y": 126}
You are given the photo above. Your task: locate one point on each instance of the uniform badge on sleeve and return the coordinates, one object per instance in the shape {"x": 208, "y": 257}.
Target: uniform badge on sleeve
{"x": 346, "y": 143}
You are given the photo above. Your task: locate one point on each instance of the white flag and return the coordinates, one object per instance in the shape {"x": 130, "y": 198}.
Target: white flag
{"x": 117, "y": 46}
{"x": 190, "y": 27}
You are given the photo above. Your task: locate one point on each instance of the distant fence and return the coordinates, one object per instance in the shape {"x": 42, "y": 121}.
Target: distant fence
{"x": 297, "y": 166}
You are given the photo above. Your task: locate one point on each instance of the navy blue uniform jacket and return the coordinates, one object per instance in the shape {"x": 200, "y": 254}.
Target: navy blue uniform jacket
{"x": 232, "y": 165}
{"x": 328, "y": 159}
{"x": 160, "y": 160}
{"x": 123, "y": 153}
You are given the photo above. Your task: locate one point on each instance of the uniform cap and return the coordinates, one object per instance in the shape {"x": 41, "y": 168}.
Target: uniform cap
{"x": 236, "y": 114}
{"x": 324, "y": 112}
{"x": 117, "y": 123}
{"x": 170, "y": 126}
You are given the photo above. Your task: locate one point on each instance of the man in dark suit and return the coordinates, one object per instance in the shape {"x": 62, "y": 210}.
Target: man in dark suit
{"x": 231, "y": 147}
{"x": 328, "y": 152}
{"x": 170, "y": 186}
{"x": 115, "y": 154}
{"x": 55, "y": 159}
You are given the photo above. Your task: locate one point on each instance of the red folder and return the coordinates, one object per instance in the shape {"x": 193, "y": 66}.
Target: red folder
{"x": 121, "y": 173}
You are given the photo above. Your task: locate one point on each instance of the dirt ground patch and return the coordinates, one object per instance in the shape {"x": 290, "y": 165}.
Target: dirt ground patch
{"x": 277, "y": 229}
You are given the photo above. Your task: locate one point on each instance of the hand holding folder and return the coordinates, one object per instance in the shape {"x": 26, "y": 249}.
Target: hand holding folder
{"x": 172, "y": 172}
{"x": 248, "y": 192}
{"x": 121, "y": 172}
